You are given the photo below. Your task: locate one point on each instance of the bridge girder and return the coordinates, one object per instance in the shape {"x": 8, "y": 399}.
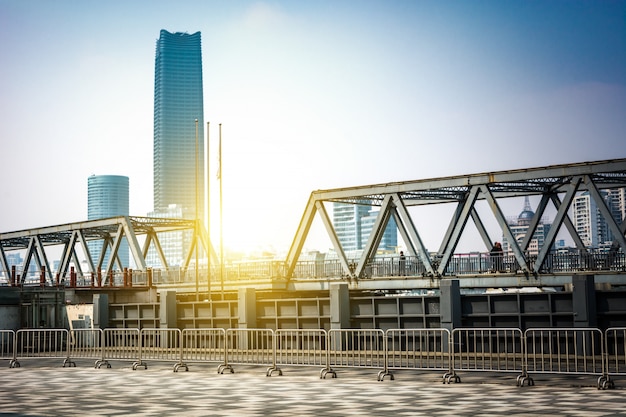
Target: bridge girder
{"x": 549, "y": 182}
{"x": 110, "y": 231}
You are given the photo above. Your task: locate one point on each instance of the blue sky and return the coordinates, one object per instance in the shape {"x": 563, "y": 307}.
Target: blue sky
{"x": 311, "y": 95}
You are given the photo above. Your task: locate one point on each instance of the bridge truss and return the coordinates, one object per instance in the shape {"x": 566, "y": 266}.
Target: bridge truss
{"x": 557, "y": 185}
{"x": 110, "y": 231}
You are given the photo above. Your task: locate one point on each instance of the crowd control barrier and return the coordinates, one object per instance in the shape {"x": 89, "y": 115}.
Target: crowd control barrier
{"x": 614, "y": 339}
{"x": 86, "y": 344}
{"x": 356, "y": 348}
{"x": 7, "y": 346}
{"x": 302, "y": 347}
{"x": 121, "y": 345}
{"x": 161, "y": 345}
{"x": 573, "y": 351}
{"x": 41, "y": 343}
{"x": 203, "y": 345}
{"x": 417, "y": 349}
{"x": 250, "y": 347}
{"x": 487, "y": 349}
{"x": 561, "y": 351}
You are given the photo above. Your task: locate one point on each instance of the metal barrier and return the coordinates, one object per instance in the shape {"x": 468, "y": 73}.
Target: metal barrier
{"x": 203, "y": 345}
{"x": 86, "y": 344}
{"x": 121, "y": 344}
{"x": 576, "y": 351}
{"x": 573, "y": 351}
{"x": 417, "y": 349}
{"x": 41, "y": 343}
{"x": 488, "y": 349}
{"x": 615, "y": 353}
{"x": 162, "y": 345}
{"x": 356, "y": 348}
{"x": 302, "y": 347}
{"x": 250, "y": 347}
{"x": 7, "y": 346}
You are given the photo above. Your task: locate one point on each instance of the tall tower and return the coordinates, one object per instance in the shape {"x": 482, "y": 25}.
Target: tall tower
{"x": 107, "y": 196}
{"x": 178, "y": 103}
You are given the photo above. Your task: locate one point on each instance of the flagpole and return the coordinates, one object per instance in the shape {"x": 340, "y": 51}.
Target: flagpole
{"x": 209, "y": 248}
{"x": 221, "y": 215}
{"x": 197, "y": 224}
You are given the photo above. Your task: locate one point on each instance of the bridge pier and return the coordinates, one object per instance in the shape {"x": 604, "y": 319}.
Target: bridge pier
{"x": 247, "y": 308}
{"x": 100, "y": 311}
{"x": 584, "y": 301}
{"x": 167, "y": 310}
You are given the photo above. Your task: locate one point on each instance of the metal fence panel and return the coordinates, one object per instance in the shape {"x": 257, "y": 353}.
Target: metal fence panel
{"x": 250, "y": 347}
{"x": 418, "y": 349}
{"x": 357, "y": 348}
{"x": 615, "y": 353}
{"x": 86, "y": 344}
{"x": 7, "y": 345}
{"x": 42, "y": 343}
{"x": 301, "y": 347}
{"x": 565, "y": 351}
{"x": 487, "y": 349}
{"x": 122, "y": 344}
{"x": 161, "y": 345}
{"x": 203, "y": 345}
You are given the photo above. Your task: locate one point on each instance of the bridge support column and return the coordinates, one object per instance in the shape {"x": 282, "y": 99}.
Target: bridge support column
{"x": 247, "y": 308}
{"x": 100, "y": 311}
{"x": 584, "y": 301}
{"x": 339, "y": 306}
{"x": 167, "y": 310}
{"x": 450, "y": 305}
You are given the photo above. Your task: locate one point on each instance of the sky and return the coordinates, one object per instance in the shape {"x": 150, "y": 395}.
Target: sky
{"x": 310, "y": 94}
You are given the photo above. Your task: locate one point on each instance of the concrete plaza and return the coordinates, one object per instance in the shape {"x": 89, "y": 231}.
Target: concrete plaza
{"x": 36, "y": 389}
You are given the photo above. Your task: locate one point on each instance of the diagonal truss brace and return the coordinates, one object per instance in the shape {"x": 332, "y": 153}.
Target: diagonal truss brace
{"x": 504, "y": 226}
{"x": 561, "y": 214}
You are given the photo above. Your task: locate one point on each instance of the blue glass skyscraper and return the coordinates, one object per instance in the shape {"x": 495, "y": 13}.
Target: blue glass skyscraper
{"x": 178, "y": 102}
{"x": 107, "y": 196}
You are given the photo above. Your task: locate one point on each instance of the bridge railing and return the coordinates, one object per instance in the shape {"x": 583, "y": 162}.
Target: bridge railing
{"x": 381, "y": 266}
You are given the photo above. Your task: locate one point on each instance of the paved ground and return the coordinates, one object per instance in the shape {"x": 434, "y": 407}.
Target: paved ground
{"x": 47, "y": 389}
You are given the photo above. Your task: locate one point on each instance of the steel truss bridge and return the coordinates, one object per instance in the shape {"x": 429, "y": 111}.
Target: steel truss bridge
{"x": 556, "y": 185}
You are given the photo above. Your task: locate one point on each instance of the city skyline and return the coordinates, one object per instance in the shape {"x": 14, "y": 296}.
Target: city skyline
{"x": 311, "y": 96}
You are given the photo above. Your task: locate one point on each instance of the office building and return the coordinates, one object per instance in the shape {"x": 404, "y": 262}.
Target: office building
{"x": 107, "y": 196}
{"x": 178, "y": 139}
{"x": 590, "y": 225}
{"x": 178, "y": 103}
{"x": 354, "y": 223}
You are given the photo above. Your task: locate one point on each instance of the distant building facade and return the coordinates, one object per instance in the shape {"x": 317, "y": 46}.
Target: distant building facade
{"x": 519, "y": 229}
{"x": 178, "y": 139}
{"x": 178, "y": 102}
{"x": 354, "y": 223}
{"x": 172, "y": 243}
{"x": 590, "y": 225}
{"x": 108, "y": 196}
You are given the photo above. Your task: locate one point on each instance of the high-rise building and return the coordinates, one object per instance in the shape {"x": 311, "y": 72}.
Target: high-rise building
{"x": 178, "y": 138}
{"x": 591, "y": 226}
{"x": 178, "y": 103}
{"x": 107, "y": 196}
{"x": 353, "y": 225}
{"x": 519, "y": 228}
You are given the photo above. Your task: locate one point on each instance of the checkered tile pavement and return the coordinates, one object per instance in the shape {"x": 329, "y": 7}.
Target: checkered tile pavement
{"x": 51, "y": 390}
